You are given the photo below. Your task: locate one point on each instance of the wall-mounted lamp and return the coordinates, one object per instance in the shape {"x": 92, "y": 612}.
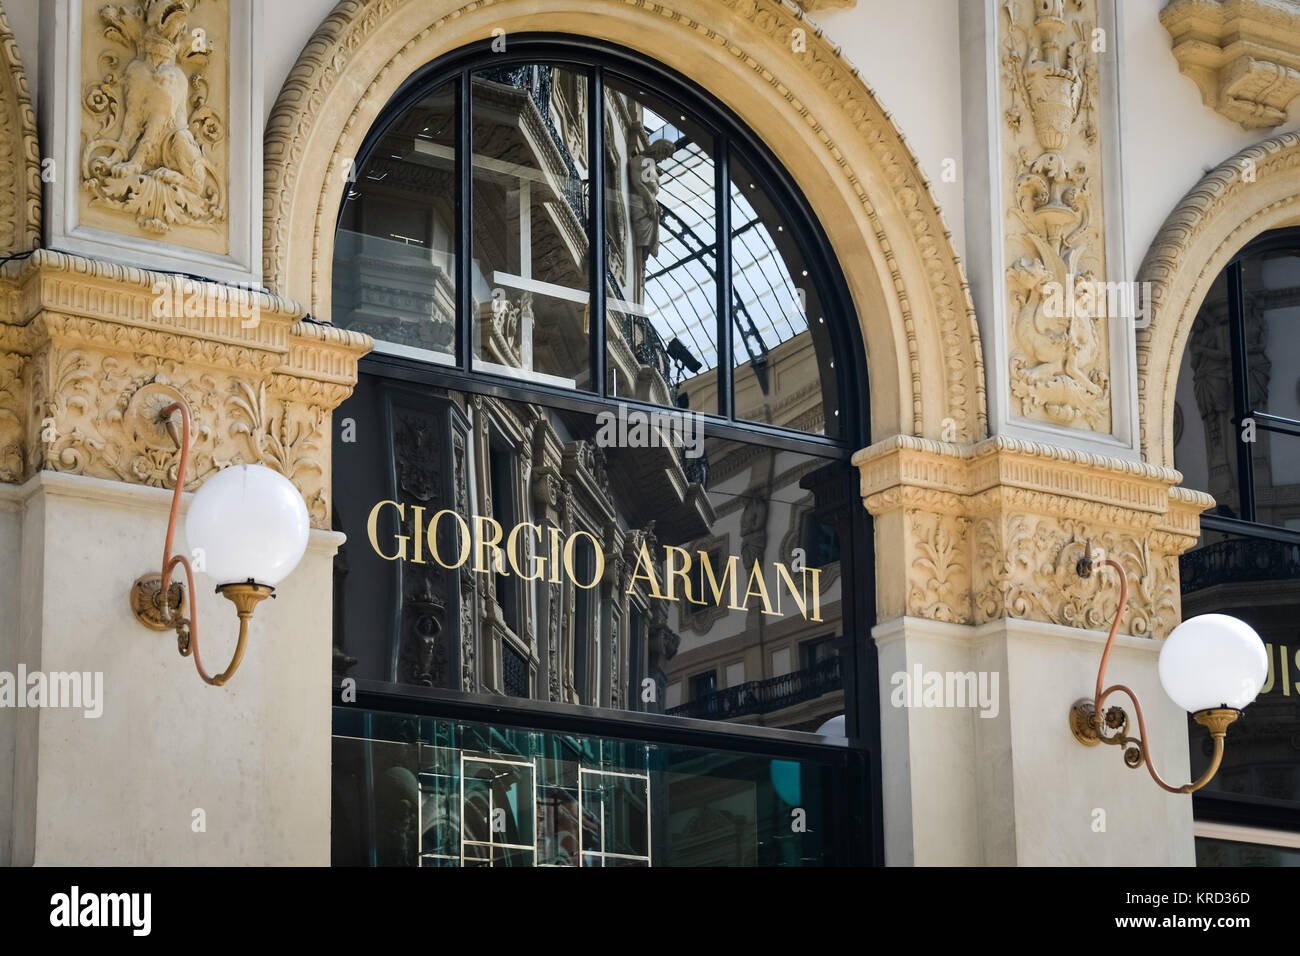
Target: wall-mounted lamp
{"x": 251, "y": 526}
{"x": 1212, "y": 666}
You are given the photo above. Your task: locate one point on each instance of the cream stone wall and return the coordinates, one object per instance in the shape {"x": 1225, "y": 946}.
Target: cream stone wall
{"x": 253, "y": 755}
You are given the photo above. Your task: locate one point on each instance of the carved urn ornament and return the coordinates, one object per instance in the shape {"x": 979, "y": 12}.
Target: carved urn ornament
{"x": 1059, "y": 364}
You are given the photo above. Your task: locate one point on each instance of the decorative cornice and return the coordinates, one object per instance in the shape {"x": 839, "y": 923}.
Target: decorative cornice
{"x": 364, "y": 50}
{"x": 20, "y": 152}
{"x": 91, "y": 352}
{"x": 1243, "y": 55}
{"x": 995, "y": 529}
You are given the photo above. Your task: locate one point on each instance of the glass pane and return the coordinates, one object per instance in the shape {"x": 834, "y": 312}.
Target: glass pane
{"x": 530, "y": 294}
{"x": 643, "y": 804}
{"x": 1272, "y": 287}
{"x": 706, "y": 581}
{"x": 394, "y": 252}
{"x": 1205, "y": 439}
{"x": 1277, "y": 478}
{"x": 1254, "y": 579}
{"x": 661, "y": 233}
{"x": 784, "y": 369}
{"x": 1230, "y": 853}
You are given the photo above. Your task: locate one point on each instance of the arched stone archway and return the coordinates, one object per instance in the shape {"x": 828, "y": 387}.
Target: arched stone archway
{"x": 802, "y": 98}
{"x": 1256, "y": 190}
{"x": 20, "y": 153}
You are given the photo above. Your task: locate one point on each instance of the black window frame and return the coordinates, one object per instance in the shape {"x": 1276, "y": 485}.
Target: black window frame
{"x": 860, "y": 750}
{"x": 1214, "y": 806}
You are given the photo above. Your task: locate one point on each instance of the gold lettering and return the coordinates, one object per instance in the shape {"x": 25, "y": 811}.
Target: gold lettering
{"x": 418, "y": 517}
{"x": 569, "y": 568}
{"x": 556, "y": 567}
{"x": 783, "y": 576}
{"x": 372, "y": 529}
{"x": 644, "y": 559}
{"x": 484, "y": 543}
{"x": 756, "y": 575}
{"x": 512, "y": 551}
{"x": 816, "y": 592}
{"x": 462, "y": 536}
{"x": 671, "y": 572}
{"x": 729, "y": 578}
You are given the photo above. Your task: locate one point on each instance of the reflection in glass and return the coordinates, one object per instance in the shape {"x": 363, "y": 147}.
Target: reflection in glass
{"x": 661, "y": 236}
{"x": 525, "y": 798}
{"x": 530, "y": 293}
{"x": 1257, "y": 580}
{"x": 394, "y": 251}
{"x": 784, "y": 371}
{"x": 578, "y": 571}
{"x": 1210, "y": 852}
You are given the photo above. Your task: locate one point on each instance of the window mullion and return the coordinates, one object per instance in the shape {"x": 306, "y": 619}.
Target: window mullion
{"x": 1240, "y": 388}
{"x": 722, "y": 204}
{"x": 596, "y": 231}
{"x": 464, "y": 223}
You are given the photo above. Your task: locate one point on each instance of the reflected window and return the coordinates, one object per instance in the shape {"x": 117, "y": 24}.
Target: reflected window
{"x": 394, "y": 271}
{"x": 1237, "y": 436}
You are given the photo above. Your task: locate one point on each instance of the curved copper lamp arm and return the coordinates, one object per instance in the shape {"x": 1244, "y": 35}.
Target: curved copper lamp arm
{"x": 187, "y": 630}
{"x": 1215, "y": 720}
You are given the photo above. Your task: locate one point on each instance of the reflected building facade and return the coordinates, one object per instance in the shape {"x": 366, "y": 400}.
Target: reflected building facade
{"x": 654, "y": 520}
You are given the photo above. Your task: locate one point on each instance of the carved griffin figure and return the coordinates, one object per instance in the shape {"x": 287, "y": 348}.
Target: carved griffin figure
{"x": 149, "y": 158}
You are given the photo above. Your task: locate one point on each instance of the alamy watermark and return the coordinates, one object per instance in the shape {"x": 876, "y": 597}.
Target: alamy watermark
{"x": 70, "y": 689}
{"x": 191, "y": 299}
{"x": 635, "y": 428}
{"x": 946, "y": 689}
{"x": 1091, "y": 298}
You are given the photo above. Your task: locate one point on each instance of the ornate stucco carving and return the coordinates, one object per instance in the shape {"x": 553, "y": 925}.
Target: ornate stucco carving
{"x": 804, "y": 97}
{"x": 83, "y": 350}
{"x": 20, "y": 154}
{"x": 1256, "y": 190}
{"x": 1060, "y": 356}
{"x": 1243, "y": 55}
{"x": 155, "y": 97}
{"x": 995, "y": 530}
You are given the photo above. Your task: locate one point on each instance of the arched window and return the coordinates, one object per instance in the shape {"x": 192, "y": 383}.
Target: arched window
{"x": 1237, "y": 436}
{"x": 596, "y": 469}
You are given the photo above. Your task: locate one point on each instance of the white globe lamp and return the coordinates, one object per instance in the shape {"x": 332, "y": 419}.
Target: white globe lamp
{"x": 1213, "y": 661}
{"x": 249, "y": 524}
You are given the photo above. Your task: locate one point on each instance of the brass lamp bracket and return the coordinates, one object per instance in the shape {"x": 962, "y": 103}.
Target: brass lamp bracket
{"x": 1088, "y": 730}
{"x": 148, "y": 606}
{"x": 1090, "y": 727}
{"x": 153, "y": 612}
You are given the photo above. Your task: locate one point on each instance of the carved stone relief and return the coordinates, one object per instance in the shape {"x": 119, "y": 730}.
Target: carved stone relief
{"x": 84, "y": 370}
{"x": 155, "y": 98}
{"x": 1060, "y": 354}
{"x": 996, "y": 530}
{"x": 20, "y": 154}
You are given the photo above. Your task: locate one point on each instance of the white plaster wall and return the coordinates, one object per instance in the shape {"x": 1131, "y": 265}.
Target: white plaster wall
{"x": 254, "y": 755}
{"x": 909, "y": 54}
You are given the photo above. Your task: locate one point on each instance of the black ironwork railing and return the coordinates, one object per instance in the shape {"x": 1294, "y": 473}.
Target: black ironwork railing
{"x": 1239, "y": 560}
{"x": 765, "y": 696}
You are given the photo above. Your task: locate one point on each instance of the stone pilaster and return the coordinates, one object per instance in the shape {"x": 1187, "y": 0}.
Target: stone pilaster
{"x": 976, "y": 582}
